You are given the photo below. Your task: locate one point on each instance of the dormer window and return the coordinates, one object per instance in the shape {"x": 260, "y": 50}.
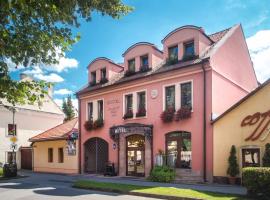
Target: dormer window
{"x": 131, "y": 68}
{"x": 93, "y": 78}
{"x": 144, "y": 63}
{"x": 103, "y": 78}
{"x": 173, "y": 53}
{"x": 131, "y": 65}
{"x": 189, "y": 52}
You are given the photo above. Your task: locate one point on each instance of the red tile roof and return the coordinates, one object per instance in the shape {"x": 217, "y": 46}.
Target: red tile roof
{"x": 61, "y": 131}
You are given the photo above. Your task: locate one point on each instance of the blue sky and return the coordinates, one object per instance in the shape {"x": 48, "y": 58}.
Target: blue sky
{"x": 151, "y": 21}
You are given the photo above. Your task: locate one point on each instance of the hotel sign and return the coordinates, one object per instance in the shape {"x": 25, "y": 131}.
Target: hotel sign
{"x": 261, "y": 122}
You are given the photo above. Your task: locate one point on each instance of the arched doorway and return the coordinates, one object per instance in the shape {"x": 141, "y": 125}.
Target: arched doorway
{"x": 135, "y": 155}
{"x": 178, "y": 149}
{"x": 96, "y": 155}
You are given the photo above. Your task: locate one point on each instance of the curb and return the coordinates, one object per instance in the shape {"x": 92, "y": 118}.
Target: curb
{"x": 137, "y": 193}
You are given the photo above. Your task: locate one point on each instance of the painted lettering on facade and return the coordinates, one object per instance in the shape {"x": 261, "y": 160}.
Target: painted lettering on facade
{"x": 113, "y": 106}
{"x": 261, "y": 122}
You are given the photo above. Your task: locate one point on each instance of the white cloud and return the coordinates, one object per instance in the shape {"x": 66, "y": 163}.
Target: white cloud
{"x": 63, "y": 65}
{"x": 63, "y": 91}
{"x": 259, "y": 48}
{"x": 54, "y": 78}
{"x": 33, "y": 70}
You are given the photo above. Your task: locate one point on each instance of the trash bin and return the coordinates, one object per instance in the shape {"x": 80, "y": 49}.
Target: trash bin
{"x": 10, "y": 170}
{"x": 110, "y": 170}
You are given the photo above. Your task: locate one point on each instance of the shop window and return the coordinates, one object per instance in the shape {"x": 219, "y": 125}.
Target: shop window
{"x": 60, "y": 155}
{"x": 169, "y": 97}
{"x": 100, "y": 109}
{"x": 12, "y": 129}
{"x": 251, "y": 157}
{"x": 90, "y": 111}
{"x": 11, "y": 157}
{"x": 173, "y": 53}
{"x": 131, "y": 65}
{"x": 189, "y": 50}
{"x": 186, "y": 95}
{"x": 141, "y": 108}
{"x": 50, "y": 155}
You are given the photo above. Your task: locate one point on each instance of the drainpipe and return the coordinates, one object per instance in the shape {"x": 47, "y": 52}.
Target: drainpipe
{"x": 79, "y": 139}
{"x": 204, "y": 121}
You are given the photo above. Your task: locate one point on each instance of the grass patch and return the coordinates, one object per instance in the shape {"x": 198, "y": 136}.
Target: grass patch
{"x": 164, "y": 191}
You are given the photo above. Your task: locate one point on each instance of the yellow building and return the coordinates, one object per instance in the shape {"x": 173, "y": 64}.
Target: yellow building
{"x": 55, "y": 150}
{"x": 245, "y": 125}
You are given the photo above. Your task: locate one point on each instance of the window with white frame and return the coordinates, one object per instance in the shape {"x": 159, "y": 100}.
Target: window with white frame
{"x": 186, "y": 94}
{"x": 170, "y": 97}
{"x": 129, "y": 103}
{"x": 178, "y": 95}
{"x": 141, "y": 104}
{"x": 100, "y": 109}
{"x": 90, "y": 111}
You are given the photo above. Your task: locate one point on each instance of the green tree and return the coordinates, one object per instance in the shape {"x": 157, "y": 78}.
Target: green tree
{"x": 68, "y": 109}
{"x": 233, "y": 169}
{"x": 34, "y": 32}
{"x": 266, "y": 156}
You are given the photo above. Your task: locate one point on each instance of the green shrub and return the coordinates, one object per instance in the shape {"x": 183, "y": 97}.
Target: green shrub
{"x": 162, "y": 174}
{"x": 1, "y": 171}
{"x": 233, "y": 169}
{"x": 266, "y": 156}
{"x": 257, "y": 181}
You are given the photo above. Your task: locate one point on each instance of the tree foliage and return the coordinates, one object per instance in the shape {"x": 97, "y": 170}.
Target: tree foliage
{"x": 34, "y": 32}
{"x": 68, "y": 109}
{"x": 233, "y": 169}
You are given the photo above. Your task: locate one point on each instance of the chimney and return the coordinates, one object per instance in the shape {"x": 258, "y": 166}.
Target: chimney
{"x": 50, "y": 91}
{"x": 23, "y": 76}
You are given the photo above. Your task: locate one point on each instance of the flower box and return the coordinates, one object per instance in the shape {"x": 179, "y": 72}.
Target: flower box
{"x": 128, "y": 115}
{"x": 88, "y": 125}
{"x": 144, "y": 68}
{"x": 141, "y": 112}
{"x": 92, "y": 125}
{"x": 103, "y": 80}
{"x": 129, "y": 73}
{"x": 183, "y": 113}
{"x": 93, "y": 83}
{"x": 167, "y": 115}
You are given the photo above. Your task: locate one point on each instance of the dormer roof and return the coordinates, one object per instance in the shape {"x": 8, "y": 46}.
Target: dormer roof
{"x": 141, "y": 43}
{"x": 187, "y": 27}
{"x": 106, "y": 59}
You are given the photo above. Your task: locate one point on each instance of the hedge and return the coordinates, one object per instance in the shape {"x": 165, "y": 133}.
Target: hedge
{"x": 257, "y": 181}
{"x": 162, "y": 174}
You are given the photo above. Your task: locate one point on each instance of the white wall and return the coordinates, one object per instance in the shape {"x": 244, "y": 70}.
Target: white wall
{"x": 29, "y": 123}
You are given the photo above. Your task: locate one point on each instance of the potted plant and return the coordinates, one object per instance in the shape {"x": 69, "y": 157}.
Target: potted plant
{"x": 141, "y": 112}
{"x": 144, "y": 68}
{"x": 159, "y": 157}
{"x": 183, "y": 113}
{"x": 167, "y": 115}
{"x": 266, "y": 156}
{"x": 171, "y": 61}
{"x": 233, "y": 169}
{"x": 93, "y": 83}
{"x": 129, "y": 114}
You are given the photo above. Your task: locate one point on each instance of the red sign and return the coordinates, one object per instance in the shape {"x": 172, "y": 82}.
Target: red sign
{"x": 260, "y": 122}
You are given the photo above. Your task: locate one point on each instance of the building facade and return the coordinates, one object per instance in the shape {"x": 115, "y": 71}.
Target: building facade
{"x": 245, "y": 125}
{"x": 56, "y": 150}
{"x": 29, "y": 120}
{"x": 162, "y": 102}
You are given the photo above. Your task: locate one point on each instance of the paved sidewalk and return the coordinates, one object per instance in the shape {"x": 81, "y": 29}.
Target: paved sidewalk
{"x": 227, "y": 189}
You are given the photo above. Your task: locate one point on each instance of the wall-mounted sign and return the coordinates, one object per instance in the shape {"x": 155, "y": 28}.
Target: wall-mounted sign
{"x": 261, "y": 122}
{"x": 113, "y": 106}
{"x": 154, "y": 94}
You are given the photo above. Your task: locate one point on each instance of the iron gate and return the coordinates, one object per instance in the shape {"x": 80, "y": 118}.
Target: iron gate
{"x": 96, "y": 155}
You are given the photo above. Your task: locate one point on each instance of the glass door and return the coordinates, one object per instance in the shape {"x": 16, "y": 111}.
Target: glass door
{"x": 135, "y": 155}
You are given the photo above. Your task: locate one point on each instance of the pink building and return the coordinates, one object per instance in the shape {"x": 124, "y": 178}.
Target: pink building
{"x": 157, "y": 107}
